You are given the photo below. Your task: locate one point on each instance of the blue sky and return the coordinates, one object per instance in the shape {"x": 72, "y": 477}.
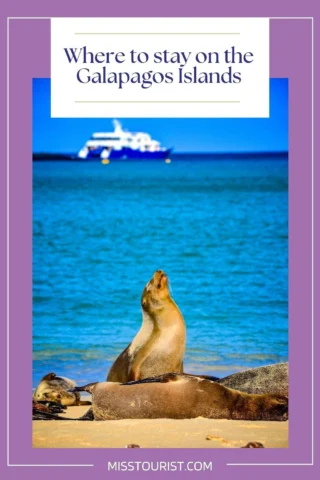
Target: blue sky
{"x": 68, "y": 135}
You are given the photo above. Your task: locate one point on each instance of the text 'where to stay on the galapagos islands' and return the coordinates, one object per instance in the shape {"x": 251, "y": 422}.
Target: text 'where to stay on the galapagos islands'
{"x": 187, "y": 66}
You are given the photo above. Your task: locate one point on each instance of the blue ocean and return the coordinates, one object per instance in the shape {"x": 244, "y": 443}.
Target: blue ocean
{"x": 218, "y": 228}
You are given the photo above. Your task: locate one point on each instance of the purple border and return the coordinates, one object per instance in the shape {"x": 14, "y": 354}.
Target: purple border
{"x": 29, "y": 57}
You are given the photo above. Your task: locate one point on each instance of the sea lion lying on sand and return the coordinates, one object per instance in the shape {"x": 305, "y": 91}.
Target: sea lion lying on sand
{"x": 180, "y": 396}
{"x": 160, "y": 343}
{"x": 58, "y": 390}
{"x": 268, "y": 379}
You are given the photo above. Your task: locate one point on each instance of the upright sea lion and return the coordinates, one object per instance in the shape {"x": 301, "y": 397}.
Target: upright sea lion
{"x": 181, "y": 396}
{"x": 160, "y": 343}
{"x": 268, "y": 379}
{"x": 57, "y": 389}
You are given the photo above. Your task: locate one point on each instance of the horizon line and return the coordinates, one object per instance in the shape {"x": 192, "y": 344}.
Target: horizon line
{"x": 242, "y": 152}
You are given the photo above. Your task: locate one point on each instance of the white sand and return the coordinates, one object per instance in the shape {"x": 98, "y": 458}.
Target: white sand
{"x": 160, "y": 433}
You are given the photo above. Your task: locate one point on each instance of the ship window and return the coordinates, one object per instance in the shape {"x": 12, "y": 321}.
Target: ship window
{"x": 106, "y": 138}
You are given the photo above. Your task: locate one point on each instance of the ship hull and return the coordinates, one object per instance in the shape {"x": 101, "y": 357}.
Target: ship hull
{"x": 128, "y": 154}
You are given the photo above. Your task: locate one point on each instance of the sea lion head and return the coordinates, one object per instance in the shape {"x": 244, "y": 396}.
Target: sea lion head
{"x": 271, "y": 407}
{"x": 56, "y": 389}
{"x": 51, "y": 395}
{"x": 48, "y": 395}
{"x": 156, "y": 292}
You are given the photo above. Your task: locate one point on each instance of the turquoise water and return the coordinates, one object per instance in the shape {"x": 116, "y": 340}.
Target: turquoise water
{"x": 218, "y": 228}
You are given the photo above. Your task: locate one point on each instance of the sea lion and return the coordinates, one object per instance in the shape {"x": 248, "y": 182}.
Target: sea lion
{"x": 181, "y": 396}
{"x": 267, "y": 379}
{"x": 57, "y": 389}
{"x": 160, "y": 343}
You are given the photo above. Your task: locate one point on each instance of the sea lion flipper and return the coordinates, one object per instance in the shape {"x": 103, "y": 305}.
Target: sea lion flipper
{"x": 88, "y": 415}
{"x": 142, "y": 354}
{"x": 85, "y": 388}
{"x": 165, "y": 378}
{"x": 40, "y": 415}
{"x": 134, "y": 375}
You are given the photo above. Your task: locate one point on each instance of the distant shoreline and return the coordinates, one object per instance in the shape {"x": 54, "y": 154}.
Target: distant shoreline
{"x": 59, "y": 157}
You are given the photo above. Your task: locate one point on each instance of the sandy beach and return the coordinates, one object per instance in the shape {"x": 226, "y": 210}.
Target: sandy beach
{"x": 159, "y": 433}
